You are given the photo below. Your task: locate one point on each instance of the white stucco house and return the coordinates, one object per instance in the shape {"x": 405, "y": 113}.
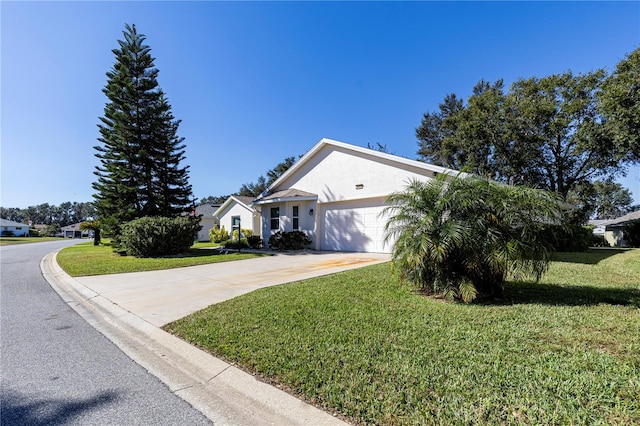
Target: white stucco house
{"x": 238, "y": 209}
{"x": 13, "y": 229}
{"x": 614, "y": 229}
{"x": 336, "y": 193}
{"x": 208, "y": 219}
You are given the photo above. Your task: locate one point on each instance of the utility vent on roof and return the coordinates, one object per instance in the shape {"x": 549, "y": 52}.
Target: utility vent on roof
{"x": 359, "y": 186}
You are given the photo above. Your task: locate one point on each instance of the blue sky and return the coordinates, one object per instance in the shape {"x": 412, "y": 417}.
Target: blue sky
{"x": 255, "y": 82}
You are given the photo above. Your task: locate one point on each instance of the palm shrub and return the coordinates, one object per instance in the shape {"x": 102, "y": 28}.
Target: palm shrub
{"x": 93, "y": 226}
{"x": 461, "y": 235}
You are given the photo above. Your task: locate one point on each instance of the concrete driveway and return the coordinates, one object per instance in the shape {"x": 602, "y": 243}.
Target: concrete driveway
{"x": 160, "y": 297}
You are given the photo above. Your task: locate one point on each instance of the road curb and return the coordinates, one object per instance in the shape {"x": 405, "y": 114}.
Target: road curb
{"x": 225, "y": 394}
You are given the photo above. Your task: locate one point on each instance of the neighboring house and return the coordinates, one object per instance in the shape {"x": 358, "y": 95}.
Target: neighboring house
{"x": 208, "y": 219}
{"x": 239, "y": 209}
{"x": 73, "y": 231}
{"x": 614, "y": 229}
{"x": 598, "y": 226}
{"x": 336, "y": 194}
{"x": 9, "y": 228}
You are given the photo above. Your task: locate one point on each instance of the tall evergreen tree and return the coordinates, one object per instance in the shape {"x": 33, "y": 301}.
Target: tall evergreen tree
{"x": 139, "y": 172}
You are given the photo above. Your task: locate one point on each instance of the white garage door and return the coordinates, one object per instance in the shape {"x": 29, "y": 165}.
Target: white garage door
{"x": 355, "y": 226}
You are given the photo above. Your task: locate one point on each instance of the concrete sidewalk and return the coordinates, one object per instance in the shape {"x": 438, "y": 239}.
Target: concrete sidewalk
{"x": 129, "y": 309}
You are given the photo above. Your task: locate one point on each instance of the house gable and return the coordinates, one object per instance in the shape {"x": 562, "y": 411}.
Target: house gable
{"x": 336, "y": 171}
{"x": 238, "y": 206}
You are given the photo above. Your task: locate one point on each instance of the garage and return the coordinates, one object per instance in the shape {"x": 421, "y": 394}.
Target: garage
{"x": 356, "y": 226}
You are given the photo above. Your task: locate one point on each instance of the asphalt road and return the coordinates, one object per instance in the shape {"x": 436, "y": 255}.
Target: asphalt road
{"x": 58, "y": 370}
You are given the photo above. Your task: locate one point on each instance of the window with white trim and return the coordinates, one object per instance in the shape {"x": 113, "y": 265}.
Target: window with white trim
{"x": 275, "y": 218}
{"x": 296, "y": 218}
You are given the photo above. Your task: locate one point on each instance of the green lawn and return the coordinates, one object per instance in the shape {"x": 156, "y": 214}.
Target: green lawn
{"x": 564, "y": 351}
{"x": 87, "y": 259}
{"x": 5, "y": 241}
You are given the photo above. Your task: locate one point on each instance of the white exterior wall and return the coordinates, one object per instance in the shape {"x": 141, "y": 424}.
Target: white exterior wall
{"x": 306, "y": 221}
{"x": 333, "y": 175}
{"x": 246, "y": 218}
{"x": 207, "y": 223}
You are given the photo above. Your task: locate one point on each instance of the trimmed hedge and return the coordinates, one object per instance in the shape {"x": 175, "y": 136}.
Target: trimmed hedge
{"x": 631, "y": 232}
{"x": 570, "y": 237}
{"x": 158, "y": 236}
{"x": 235, "y": 244}
{"x": 294, "y": 240}
{"x": 255, "y": 242}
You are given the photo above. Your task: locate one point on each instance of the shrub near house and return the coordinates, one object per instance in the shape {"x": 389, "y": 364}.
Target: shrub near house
{"x": 295, "y": 240}
{"x": 158, "y": 236}
{"x": 218, "y": 234}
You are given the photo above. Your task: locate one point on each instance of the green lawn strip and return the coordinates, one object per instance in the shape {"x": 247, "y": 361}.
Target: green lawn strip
{"x": 564, "y": 351}
{"x": 87, "y": 259}
{"x": 5, "y": 241}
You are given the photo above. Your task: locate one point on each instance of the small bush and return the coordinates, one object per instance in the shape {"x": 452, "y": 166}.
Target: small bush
{"x": 218, "y": 235}
{"x": 599, "y": 241}
{"x": 631, "y": 233}
{"x": 294, "y": 240}
{"x": 245, "y": 233}
{"x": 8, "y": 233}
{"x": 255, "y": 242}
{"x": 235, "y": 244}
{"x": 158, "y": 236}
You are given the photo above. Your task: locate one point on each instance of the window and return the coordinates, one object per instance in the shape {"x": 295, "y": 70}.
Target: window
{"x": 275, "y": 218}
{"x": 296, "y": 221}
{"x": 235, "y": 225}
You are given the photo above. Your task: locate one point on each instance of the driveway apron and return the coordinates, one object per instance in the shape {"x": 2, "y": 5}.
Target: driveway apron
{"x": 160, "y": 297}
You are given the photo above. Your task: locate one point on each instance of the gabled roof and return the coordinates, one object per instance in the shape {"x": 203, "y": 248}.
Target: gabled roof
{"x": 207, "y": 210}
{"x": 291, "y": 194}
{"x": 7, "y": 222}
{"x": 72, "y": 227}
{"x": 356, "y": 150}
{"x": 624, "y": 219}
{"x": 242, "y": 200}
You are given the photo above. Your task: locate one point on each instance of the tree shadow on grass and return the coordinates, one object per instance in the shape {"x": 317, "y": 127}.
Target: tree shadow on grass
{"x": 18, "y": 409}
{"x": 591, "y": 257}
{"x": 525, "y": 293}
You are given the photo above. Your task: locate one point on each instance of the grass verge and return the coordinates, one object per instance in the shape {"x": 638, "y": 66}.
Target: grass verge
{"x": 563, "y": 351}
{"x": 87, "y": 259}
